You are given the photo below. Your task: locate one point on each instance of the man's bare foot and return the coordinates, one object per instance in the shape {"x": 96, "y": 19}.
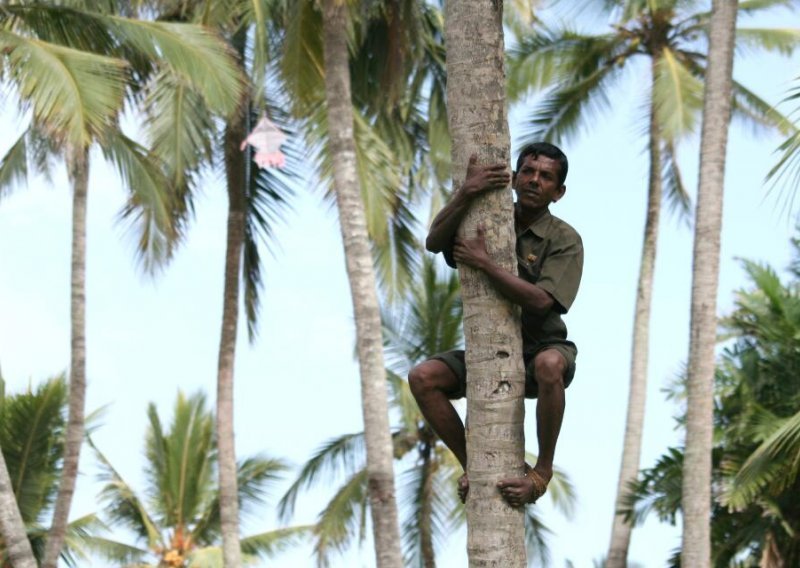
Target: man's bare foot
{"x": 519, "y": 491}
{"x": 463, "y": 487}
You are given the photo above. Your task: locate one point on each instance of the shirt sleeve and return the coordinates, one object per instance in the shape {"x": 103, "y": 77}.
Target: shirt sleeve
{"x": 561, "y": 272}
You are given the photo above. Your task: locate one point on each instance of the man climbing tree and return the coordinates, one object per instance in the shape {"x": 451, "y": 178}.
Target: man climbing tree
{"x": 476, "y": 229}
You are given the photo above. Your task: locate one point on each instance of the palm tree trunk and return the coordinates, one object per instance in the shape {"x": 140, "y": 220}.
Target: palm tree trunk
{"x": 78, "y": 168}
{"x": 637, "y": 393}
{"x": 696, "y": 500}
{"x": 235, "y": 170}
{"x": 363, "y": 289}
{"x": 12, "y": 528}
{"x": 495, "y": 389}
{"x": 426, "y": 504}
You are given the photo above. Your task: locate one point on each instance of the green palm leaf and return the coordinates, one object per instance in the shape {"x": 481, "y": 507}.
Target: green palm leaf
{"x": 270, "y": 543}
{"x": 674, "y": 189}
{"x": 772, "y": 467}
{"x": 180, "y": 132}
{"x": 188, "y": 51}
{"x": 31, "y": 438}
{"x": 752, "y": 6}
{"x": 677, "y": 94}
{"x": 14, "y": 166}
{"x": 343, "y": 517}
{"x": 149, "y": 207}
{"x": 269, "y": 196}
{"x": 784, "y": 41}
{"x": 73, "y": 94}
{"x": 344, "y": 453}
{"x": 122, "y": 505}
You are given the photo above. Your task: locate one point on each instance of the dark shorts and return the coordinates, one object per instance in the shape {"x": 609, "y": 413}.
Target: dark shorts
{"x": 455, "y": 360}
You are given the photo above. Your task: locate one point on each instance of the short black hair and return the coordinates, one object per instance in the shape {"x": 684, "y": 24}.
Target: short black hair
{"x": 549, "y": 151}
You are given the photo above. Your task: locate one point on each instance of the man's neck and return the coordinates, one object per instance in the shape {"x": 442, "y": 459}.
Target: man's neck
{"x": 526, "y": 217}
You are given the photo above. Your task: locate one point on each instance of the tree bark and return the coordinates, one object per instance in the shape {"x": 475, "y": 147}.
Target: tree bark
{"x": 78, "y": 169}
{"x": 696, "y": 496}
{"x": 476, "y": 112}
{"x": 363, "y": 289}
{"x": 12, "y": 528}
{"x": 236, "y": 177}
{"x": 426, "y": 507}
{"x": 637, "y": 394}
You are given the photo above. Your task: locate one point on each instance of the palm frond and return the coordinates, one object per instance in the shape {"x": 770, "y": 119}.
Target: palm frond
{"x": 271, "y": 543}
{"x": 774, "y": 465}
{"x": 342, "y": 454}
{"x": 188, "y": 471}
{"x": 342, "y": 518}
{"x": 14, "y": 166}
{"x": 674, "y": 189}
{"x": 536, "y": 533}
{"x": 82, "y": 540}
{"x": 753, "y": 6}
{"x": 783, "y": 41}
{"x": 122, "y": 505}
{"x": 31, "y": 439}
{"x": 429, "y": 503}
{"x": 256, "y": 15}
{"x": 74, "y": 95}
{"x": 560, "y": 115}
{"x": 677, "y": 94}
{"x": 787, "y": 170}
{"x": 113, "y": 551}
{"x": 269, "y": 196}
{"x": 544, "y": 57}
{"x": 301, "y": 62}
{"x": 658, "y": 489}
{"x": 180, "y": 132}
{"x": 194, "y": 53}
{"x": 149, "y": 207}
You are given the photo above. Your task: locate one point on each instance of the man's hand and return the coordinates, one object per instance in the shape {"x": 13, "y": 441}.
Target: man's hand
{"x": 482, "y": 178}
{"x": 472, "y": 252}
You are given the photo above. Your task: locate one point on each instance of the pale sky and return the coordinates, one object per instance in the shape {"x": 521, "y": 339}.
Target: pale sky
{"x": 298, "y": 385}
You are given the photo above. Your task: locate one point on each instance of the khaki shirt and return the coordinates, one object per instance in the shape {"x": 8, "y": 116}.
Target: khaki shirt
{"x": 549, "y": 255}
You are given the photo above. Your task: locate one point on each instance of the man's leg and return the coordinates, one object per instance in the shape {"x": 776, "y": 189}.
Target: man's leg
{"x": 549, "y": 369}
{"x": 430, "y": 382}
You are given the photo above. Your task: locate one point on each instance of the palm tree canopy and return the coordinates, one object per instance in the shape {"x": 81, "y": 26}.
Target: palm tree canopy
{"x": 179, "y": 511}
{"x": 581, "y": 71}
{"x": 757, "y": 444}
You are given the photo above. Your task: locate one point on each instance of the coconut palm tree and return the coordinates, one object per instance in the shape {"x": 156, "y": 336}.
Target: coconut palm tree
{"x": 478, "y": 125}
{"x": 696, "y": 548}
{"x": 51, "y": 59}
{"x": 284, "y": 37}
{"x": 428, "y": 321}
{"x": 32, "y": 428}
{"x": 363, "y": 285}
{"x": 178, "y": 519}
{"x": 755, "y": 490}
{"x": 581, "y": 71}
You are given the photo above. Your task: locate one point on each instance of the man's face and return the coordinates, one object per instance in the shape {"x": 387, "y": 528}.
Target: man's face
{"x": 536, "y": 182}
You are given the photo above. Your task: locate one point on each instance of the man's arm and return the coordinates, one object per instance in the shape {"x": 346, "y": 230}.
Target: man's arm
{"x": 478, "y": 180}
{"x": 530, "y": 297}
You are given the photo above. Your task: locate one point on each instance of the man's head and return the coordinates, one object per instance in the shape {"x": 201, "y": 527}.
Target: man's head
{"x": 539, "y": 179}
{"x": 549, "y": 151}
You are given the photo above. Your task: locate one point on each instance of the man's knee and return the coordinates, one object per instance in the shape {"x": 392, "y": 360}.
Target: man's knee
{"x": 550, "y": 367}
{"x": 431, "y": 375}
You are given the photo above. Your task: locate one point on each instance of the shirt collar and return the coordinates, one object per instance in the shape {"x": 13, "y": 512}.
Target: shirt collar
{"x": 538, "y": 227}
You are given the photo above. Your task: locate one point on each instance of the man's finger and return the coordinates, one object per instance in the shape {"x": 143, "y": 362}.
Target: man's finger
{"x": 473, "y": 159}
